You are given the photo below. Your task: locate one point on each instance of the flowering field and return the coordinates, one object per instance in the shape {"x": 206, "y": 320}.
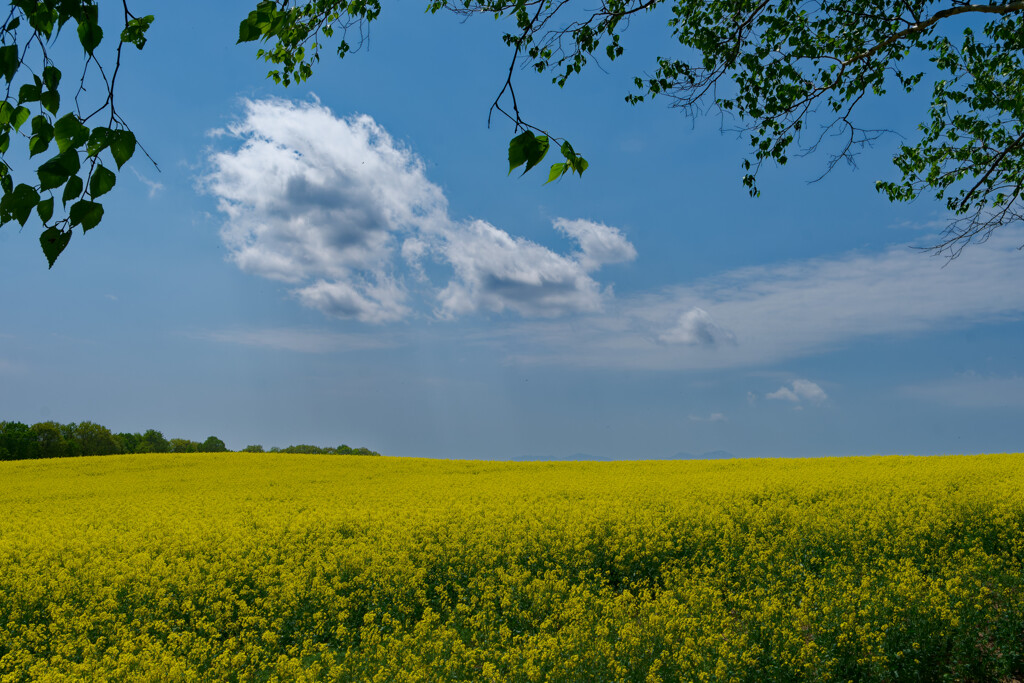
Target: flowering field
{"x": 305, "y": 567}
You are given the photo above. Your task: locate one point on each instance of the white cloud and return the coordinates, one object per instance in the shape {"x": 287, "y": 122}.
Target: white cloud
{"x": 599, "y": 244}
{"x": 339, "y": 210}
{"x": 495, "y": 271}
{"x": 381, "y": 301}
{"x": 784, "y": 394}
{"x": 713, "y": 417}
{"x": 798, "y": 391}
{"x": 346, "y": 217}
{"x": 696, "y": 328}
{"x": 775, "y": 312}
{"x": 154, "y": 186}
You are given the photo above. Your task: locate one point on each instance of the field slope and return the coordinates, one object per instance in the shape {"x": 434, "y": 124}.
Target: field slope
{"x": 304, "y": 567}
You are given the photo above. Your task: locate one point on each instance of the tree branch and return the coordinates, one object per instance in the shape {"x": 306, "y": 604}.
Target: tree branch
{"x": 923, "y": 26}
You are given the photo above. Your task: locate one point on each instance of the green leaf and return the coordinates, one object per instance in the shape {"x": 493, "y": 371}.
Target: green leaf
{"x": 248, "y": 31}
{"x": 29, "y": 92}
{"x": 56, "y": 171}
{"x": 9, "y": 61}
{"x": 99, "y": 140}
{"x": 102, "y": 181}
{"x": 19, "y": 117}
{"x": 50, "y": 100}
{"x": 573, "y": 161}
{"x": 45, "y": 209}
{"x": 6, "y": 112}
{"x": 19, "y": 202}
{"x": 72, "y": 190}
{"x": 44, "y": 14}
{"x": 85, "y": 213}
{"x": 122, "y": 146}
{"x": 37, "y": 145}
{"x": 526, "y": 148}
{"x": 557, "y": 171}
{"x": 517, "y": 151}
{"x": 536, "y": 153}
{"x": 54, "y": 241}
{"x": 5, "y": 142}
{"x": 42, "y": 134}
{"x": 41, "y": 126}
{"x": 135, "y": 31}
{"x": 70, "y": 132}
{"x": 51, "y": 77}
{"x": 89, "y": 32}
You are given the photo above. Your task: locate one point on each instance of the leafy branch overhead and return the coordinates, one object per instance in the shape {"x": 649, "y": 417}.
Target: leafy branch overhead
{"x": 295, "y": 34}
{"x": 527, "y": 148}
{"x": 791, "y": 75}
{"x": 90, "y": 138}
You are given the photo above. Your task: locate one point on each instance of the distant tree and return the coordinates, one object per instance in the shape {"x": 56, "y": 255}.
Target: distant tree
{"x": 344, "y": 449}
{"x": 73, "y": 448}
{"x": 50, "y": 440}
{"x": 95, "y": 439}
{"x": 153, "y": 441}
{"x": 213, "y": 445}
{"x": 129, "y": 441}
{"x": 254, "y": 448}
{"x": 18, "y": 440}
{"x": 303, "y": 448}
{"x": 184, "y": 446}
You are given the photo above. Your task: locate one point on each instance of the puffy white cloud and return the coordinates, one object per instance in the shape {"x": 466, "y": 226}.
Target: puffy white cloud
{"x": 379, "y": 302}
{"x": 784, "y": 394}
{"x": 599, "y": 244}
{"x": 800, "y": 390}
{"x": 308, "y": 194}
{"x": 496, "y": 271}
{"x": 697, "y": 328}
{"x": 338, "y": 209}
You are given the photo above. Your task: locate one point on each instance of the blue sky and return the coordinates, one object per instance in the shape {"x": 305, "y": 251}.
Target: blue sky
{"x": 347, "y": 261}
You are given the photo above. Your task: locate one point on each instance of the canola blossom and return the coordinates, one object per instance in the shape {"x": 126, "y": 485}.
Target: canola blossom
{"x": 203, "y": 567}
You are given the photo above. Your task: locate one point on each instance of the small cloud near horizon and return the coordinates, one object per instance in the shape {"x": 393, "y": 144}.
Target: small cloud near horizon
{"x": 713, "y": 417}
{"x": 799, "y": 391}
{"x": 697, "y": 328}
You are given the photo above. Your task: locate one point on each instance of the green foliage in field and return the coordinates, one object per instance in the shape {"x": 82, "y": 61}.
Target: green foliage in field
{"x": 310, "y": 567}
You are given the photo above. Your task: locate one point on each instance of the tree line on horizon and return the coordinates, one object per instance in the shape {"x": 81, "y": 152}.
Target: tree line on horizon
{"x": 19, "y": 441}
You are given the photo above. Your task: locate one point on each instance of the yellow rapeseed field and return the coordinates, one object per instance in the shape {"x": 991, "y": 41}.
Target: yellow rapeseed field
{"x": 264, "y": 567}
